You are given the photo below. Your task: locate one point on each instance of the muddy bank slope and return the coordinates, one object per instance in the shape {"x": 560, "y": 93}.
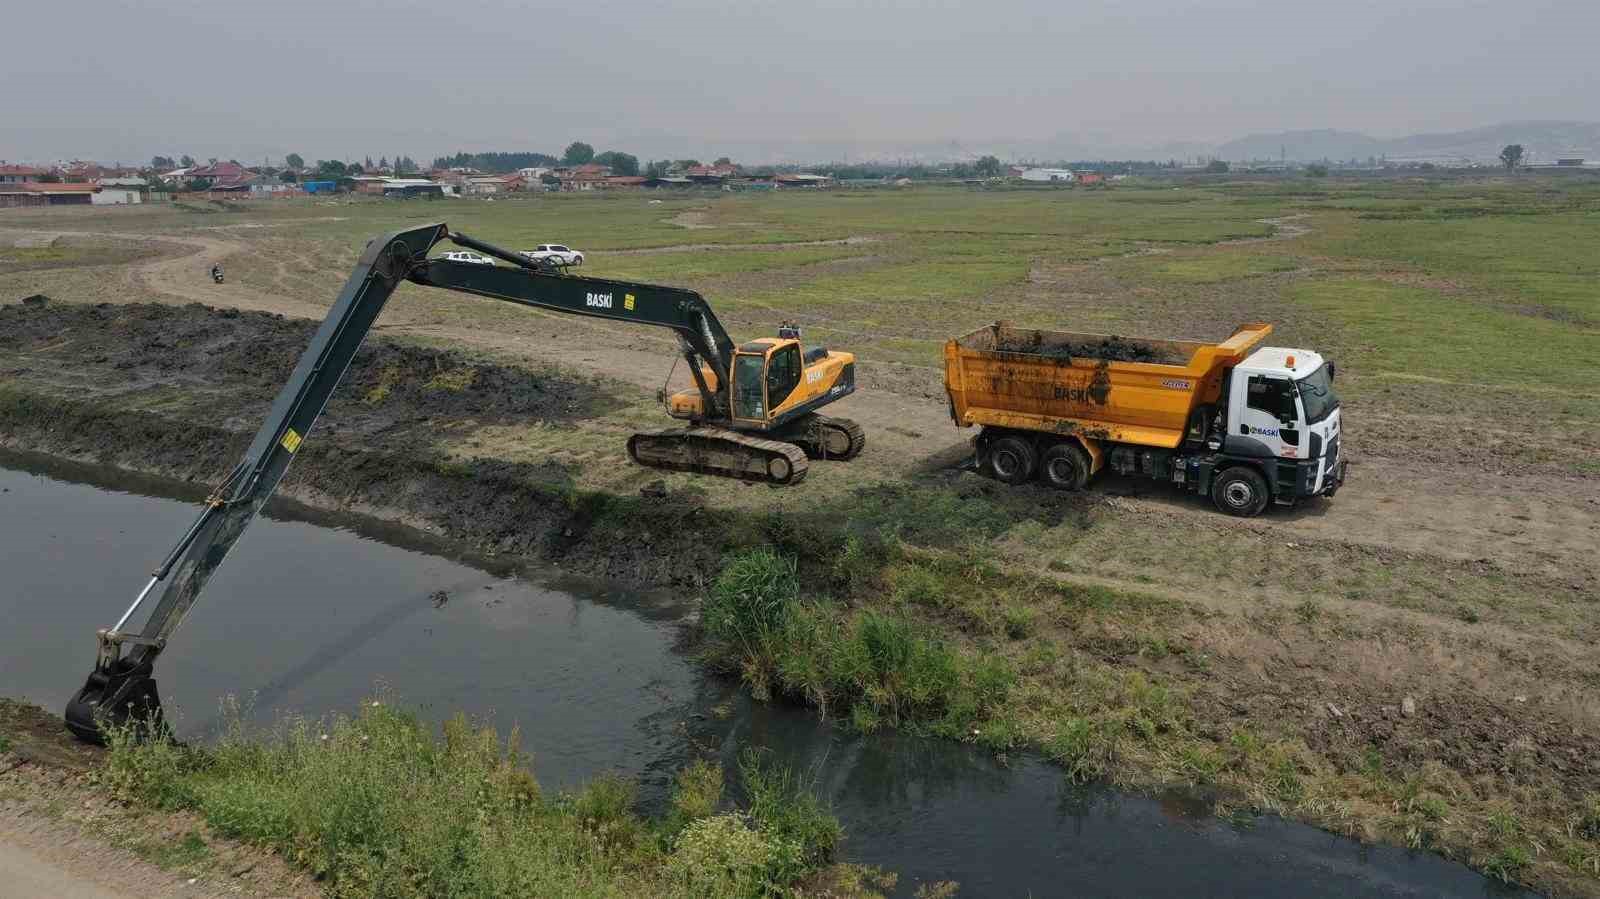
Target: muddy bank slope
{"x": 179, "y": 391}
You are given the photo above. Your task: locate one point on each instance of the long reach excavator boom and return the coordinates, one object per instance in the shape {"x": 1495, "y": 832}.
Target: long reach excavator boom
{"x": 752, "y": 415}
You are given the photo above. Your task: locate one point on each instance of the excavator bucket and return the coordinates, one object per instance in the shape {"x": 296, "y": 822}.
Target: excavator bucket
{"x": 110, "y": 700}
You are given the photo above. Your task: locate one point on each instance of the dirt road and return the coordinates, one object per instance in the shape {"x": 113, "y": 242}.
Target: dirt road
{"x": 25, "y": 874}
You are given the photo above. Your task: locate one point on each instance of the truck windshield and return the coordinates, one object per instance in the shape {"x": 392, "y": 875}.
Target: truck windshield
{"x": 1316, "y": 392}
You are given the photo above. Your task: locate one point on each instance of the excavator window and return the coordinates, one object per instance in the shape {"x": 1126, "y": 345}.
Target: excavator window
{"x": 783, "y": 374}
{"x": 749, "y": 400}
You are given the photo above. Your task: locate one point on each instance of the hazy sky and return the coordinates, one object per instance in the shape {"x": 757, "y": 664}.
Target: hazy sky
{"x": 223, "y": 78}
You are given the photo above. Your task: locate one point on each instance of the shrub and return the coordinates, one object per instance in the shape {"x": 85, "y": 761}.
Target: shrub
{"x": 801, "y": 832}
{"x": 919, "y": 586}
{"x": 720, "y": 856}
{"x": 1020, "y": 621}
{"x": 1507, "y": 863}
{"x": 698, "y": 794}
{"x": 751, "y": 596}
{"x": 1084, "y": 747}
{"x": 376, "y": 805}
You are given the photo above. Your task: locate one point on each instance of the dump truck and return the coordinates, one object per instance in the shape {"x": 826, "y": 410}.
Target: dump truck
{"x": 1246, "y": 424}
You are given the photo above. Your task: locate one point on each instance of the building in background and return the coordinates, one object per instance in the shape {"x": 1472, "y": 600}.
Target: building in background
{"x": 1063, "y": 176}
{"x": 37, "y": 193}
{"x": 120, "y": 192}
{"x": 19, "y": 174}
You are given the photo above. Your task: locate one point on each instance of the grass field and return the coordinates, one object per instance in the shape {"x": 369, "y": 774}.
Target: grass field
{"x": 1131, "y": 632}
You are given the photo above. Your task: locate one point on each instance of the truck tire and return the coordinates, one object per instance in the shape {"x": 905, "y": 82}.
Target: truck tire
{"x": 1065, "y": 466}
{"x": 1010, "y": 459}
{"x": 1240, "y": 491}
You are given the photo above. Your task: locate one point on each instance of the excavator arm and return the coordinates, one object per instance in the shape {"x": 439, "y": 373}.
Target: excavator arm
{"x": 122, "y": 685}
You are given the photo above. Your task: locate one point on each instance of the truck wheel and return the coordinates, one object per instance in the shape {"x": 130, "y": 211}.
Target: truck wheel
{"x": 1065, "y": 466}
{"x": 1240, "y": 491}
{"x": 1010, "y": 459}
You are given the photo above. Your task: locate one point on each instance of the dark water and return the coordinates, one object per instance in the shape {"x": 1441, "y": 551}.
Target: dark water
{"x": 311, "y": 613}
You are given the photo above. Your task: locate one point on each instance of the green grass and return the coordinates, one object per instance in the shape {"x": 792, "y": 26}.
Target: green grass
{"x": 379, "y": 805}
{"x": 1431, "y": 335}
{"x": 1217, "y": 268}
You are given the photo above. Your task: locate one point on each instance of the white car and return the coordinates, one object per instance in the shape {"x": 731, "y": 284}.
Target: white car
{"x": 465, "y": 256}
{"x": 562, "y": 255}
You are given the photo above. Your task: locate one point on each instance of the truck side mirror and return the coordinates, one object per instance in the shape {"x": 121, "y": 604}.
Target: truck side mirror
{"x": 1331, "y": 370}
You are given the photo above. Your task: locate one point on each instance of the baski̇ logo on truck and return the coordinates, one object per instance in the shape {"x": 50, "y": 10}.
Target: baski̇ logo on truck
{"x": 598, "y": 300}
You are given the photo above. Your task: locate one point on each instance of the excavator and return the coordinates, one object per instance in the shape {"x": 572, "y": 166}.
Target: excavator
{"x": 752, "y": 415}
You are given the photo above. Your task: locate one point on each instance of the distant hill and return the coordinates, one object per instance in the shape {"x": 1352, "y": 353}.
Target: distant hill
{"x": 1302, "y": 146}
{"x": 1542, "y": 141}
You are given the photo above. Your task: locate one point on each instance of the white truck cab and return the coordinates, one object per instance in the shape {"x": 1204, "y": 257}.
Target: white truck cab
{"x": 1281, "y": 409}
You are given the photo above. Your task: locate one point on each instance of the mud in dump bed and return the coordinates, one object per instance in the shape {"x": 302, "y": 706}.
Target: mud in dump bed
{"x": 1002, "y": 338}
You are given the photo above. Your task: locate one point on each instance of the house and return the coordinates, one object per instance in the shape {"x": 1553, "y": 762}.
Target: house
{"x": 711, "y": 174}
{"x": 265, "y": 186}
{"x": 37, "y": 193}
{"x": 532, "y": 174}
{"x": 1064, "y": 176}
{"x": 1091, "y": 178}
{"x": 669, "y": 181}
{"x": 407, "y": 188}
{"x": 802, "y": 179}
{"x": 119, "y": 192}
{"x": 629, "y": 182}
{"x": 20, "y": 174}
{"x": 583, "y": 177}
{"x": 369, "y": 184}
{"x": 218, "y": 172}
{"x": 484, "y": 185}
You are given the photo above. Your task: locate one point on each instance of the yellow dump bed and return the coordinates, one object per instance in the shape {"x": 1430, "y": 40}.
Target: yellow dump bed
{"x": 1121, "y": 389}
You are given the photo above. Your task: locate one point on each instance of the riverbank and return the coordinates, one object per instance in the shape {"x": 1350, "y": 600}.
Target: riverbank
{"x": 905, "y": 603}
{"x": 378, "y": 804}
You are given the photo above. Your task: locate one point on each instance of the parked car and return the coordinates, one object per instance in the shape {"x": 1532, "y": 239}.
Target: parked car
{"x": 562, "y": 255}
{"x": 466, "y": 256}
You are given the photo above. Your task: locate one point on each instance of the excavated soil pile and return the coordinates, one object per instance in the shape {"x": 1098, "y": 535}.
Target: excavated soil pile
{"x": 237, "y": 361}
{"x": 1110, "y": 349}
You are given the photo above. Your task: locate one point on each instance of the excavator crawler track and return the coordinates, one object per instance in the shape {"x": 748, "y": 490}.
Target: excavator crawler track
{"x": 720, "y": 452}
{"x": 825, "y": 437}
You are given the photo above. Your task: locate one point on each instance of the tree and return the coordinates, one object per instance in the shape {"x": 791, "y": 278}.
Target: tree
{"x": 287, "y": 176}
{"x": 330, "y": 168}
{"x": 1511, "y": 156}
{"x": 1217, "y": 166}
{"x": 987, "y": 166}
{"x": 354, "y": 169}
{"x": 368, "y": 165}
{"x": 186, "y": 161}
{"x": 162, "y": 163}
{"x": 294, "y": 161}
{"x": 578, "y": 153}
{"x": 657, "y": 168}
{"x": 197, "y": 184}
{"x": 619, "y": 162}
{"x": 49, "y": 178}
{"x": 1316, "y": 170}
{"x": 723, "y": 160}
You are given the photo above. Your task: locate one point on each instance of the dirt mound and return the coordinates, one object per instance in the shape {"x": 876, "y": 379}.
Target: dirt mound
{"x": 1110, "y": 349}
{"x": 117, "y": 349}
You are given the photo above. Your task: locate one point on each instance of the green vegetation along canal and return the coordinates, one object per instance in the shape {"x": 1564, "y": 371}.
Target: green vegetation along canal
{"x": 313, "y": 613}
